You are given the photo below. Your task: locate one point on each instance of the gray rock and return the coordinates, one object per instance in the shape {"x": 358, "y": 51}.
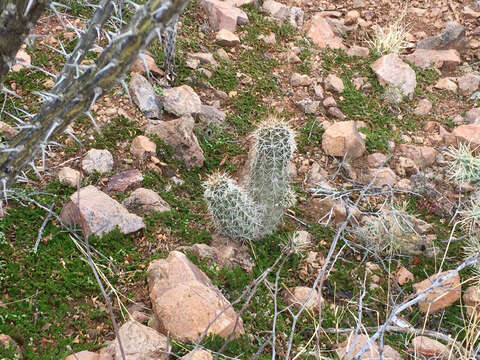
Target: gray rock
{"x": 204, "y": 59}
{"x": 210, "y": 115}
{"x": 334, "y": 83}
{"x": 97, "y": 160}
{"x": 97, "y": 213}
{"x": 308, "y": 106}
{"x": 453, "y": 37}
{"x": 144, "y": 96}
{"x": 143, "y": 200}
{"x": 179, "y": 135}
{"x": 292, "y": 15}
{"x": 300, "y": 80}
{"x": 223, "y": 15}
{"x": 473, "y": 116}
{"x": 423, "y": 108}
{"x": 181, "y": 100}
{"x": 336, "y": 113}
{"x": 468, "y": 83}
{"x": 445, "y": 59}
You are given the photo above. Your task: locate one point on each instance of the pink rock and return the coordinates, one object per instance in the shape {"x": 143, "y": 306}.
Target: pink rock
{"x": 442, "y": 296}
{"x": 342, "y": 138}
{"x": 435, "y": 58}
{"x": 126, "y": 180}
{"x": 390, "y": 70}
{"x": 358, "y": 51}
{"x": 376, "y": 159}
{"x": 421, "y": 155}
{"x": 471, "y": 299}
{"x": 468, "y": 83}
{"x": 97, "y": 213}
{"x": 223, "y": 15}
{"x": 469, "y": 134}
{"x": 423, "y": 108}
{"x": 430, "y": 348}
{"x": 446, "y": 84}
{"x": 142, "y": 146}
{"x": 322, "y": 34}
{"x": 139, "y": 65}
{"x": 7, "y": 342}
{"x": 403, "y": 276}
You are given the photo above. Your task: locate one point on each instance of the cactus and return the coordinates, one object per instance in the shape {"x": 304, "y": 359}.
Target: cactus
{"x": 256, "y": 212}
{"x": 269, "y": 180}
{"x": 233, "y": 211}
{"x": 464, "y": 166}
{"x": 74, "y": 93}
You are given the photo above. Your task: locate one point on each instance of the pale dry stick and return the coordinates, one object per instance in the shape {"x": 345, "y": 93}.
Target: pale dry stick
{"x": 406, "y": 304}
{"x": 40, "y": 231}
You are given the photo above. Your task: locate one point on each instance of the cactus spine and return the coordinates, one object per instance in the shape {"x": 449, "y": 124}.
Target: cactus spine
{"x": 252, "y": 213}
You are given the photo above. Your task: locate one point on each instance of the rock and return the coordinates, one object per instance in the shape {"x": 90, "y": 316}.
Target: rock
{"x": 430, "y": 348}
{"x": 142, "y": 146}
{"x": 185, "y": 301}
{"x": 421, "y": 155}
{"x": 139, "y": 65}
{"x": 97, "y": 213}
{"x": 222, "y": 54}
{"x": 402, "y": 275}
{"x": 70, "y": 177}
{"x": 334, "y": 83}
{"x": 88, "y": 355}
{"x": 223, "y": 251}
{"x": 181, "y": 100}
{"x": 329, "y": 102}
{"x": 358, "y": 51}
{"x": 448, "y": 59}
{"x": 298, "y": 296}
{"x": 322, "y": 34}
{"x": 300, "y": 80}
{"x": 469, "y": 134}
{"x": 204, "y": 59}
{"x": 210, "y": 116}
{"x": 446, "y": 84}
{"x": 226, "y": 38}
{"x": 144, "y": 96}
{"x": 471, "y": 299}
{"x": 440, "y": 297}
{"x": 468, "y": 83}
{"x": 336, "y": 113}
{"x": 473, "y": 116}
{"x": 318, "y": 90}
{"x": 143, "y": 200}
{"x": 406, "y": 167}
{"x": 423, "y": 108}
{"x": 342, "y": 138}
{"x": 453, "y": 37}
{"x": 125, "y": 180}
{"x": 139, "y": 342}
{"x": 7, "y": 342}
{"x": 97, "y": 160}
{"x": 376, "y": 160}
{"x": 328, "y": 210}
{"x": 390, "y": 70}
{"x": 351, "y": 17}
{"x": 22, "y": 60}
{"x": 223, "y": 15}
{"x": 279, "y": 11}
{"x": 7, "y": 131}
{"x": 199, "y": 354}
{"x": 354, "y": 344}
{"x": 381, "y": 176}
{"x": 308, "y": 106}
{"x": 179, "y": 135}
{"x": 268, "y": 39}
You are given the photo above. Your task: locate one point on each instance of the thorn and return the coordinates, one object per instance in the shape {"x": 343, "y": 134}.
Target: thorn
{"x": 35, "y": 170}
{"x": 72, "y": 135}
{"x": 90, "y": 116}
{"x": 9, "y": 92}
{"x": 28, "y": 8}
{"x": 125, "y": 87}
{"x": 15, "y": 118}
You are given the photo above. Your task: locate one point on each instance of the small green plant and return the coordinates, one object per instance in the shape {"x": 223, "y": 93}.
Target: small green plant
{"x": 252, "y": 213}
{"x": 471, "y": 248}
{"x": 464, "y": 166}
{"x": 393, "y": 96}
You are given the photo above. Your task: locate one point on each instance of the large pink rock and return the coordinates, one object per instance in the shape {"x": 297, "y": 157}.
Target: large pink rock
{"x": 322, "y": 34}
{"x": 421, "y": 155}
{"x": 441, "y": 296}
{"x": 223, "y": 15}
{"x": 354, "y": 344}
{"x": 97, "y": 213}
{"x": 434, "y": 58}
{"x": 429, "y": 348}
{"x": 342, "y": 138}
{"x": 469, "y": 134}
{"x": 185, "y": 301}
{"x": 180, "y": 136}
{"x": 88, "y": 355}
{"x": 391, "y": 70}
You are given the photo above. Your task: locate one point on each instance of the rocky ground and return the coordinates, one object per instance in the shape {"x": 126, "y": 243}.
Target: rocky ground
{"x": 374, "y": 129}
